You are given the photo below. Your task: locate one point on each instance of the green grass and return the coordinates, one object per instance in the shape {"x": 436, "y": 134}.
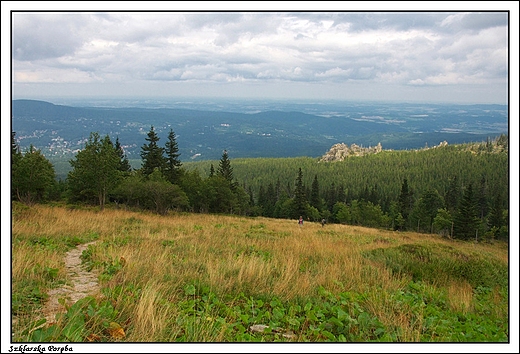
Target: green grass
{"x": 189, "y": 278}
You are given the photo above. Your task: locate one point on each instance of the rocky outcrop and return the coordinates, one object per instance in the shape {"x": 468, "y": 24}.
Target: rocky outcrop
{"x": 341, "y": 151}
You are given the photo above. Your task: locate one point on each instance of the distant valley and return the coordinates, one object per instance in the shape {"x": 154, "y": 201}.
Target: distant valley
{"x": 254, "y": 129}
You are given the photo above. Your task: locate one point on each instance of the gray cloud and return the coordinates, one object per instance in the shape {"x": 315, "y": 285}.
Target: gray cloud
{"x": 42, "y": 36}
{"x": 392, "y": 48}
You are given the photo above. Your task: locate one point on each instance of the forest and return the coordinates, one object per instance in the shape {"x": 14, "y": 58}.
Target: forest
{"x": 459, "y": 191}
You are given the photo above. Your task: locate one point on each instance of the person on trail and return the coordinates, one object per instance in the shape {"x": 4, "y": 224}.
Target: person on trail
{"x": 323, "y": 222}
{"x": 300, "y": 221}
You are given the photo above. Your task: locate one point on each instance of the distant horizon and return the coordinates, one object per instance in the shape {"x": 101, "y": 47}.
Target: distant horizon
{"x": 196, "y": 99}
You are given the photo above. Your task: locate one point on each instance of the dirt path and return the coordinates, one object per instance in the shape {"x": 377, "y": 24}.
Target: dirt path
{"x": 84, "y": 283}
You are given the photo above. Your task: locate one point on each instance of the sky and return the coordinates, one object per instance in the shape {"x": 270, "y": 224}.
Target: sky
{"x": 440, "y": 56}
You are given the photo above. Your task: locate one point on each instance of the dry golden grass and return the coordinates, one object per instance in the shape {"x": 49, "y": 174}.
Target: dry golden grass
{"x": 27, "y": 264}
{"x": 460, "y": 296}
{"x": 302, "y": 258}
{"x": 229, "y": 254}
{"x": 150, "y": 317}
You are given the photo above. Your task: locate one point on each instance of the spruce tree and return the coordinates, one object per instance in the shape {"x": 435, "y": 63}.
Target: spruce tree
{"x": 404, "y": 200}
{"x": 262, "y": 199}
{"x": 427, "y": 207}
{"x": 152, "y": 154}
{"x": 466, "y": 219}
{"x": 300, "y": 199}
{"x": 452, "y": 195}
{"x": 124, "y": 165}
{"x": 332, "y": 196}
{"x": 497, "y": 220}
{"x": 483, "y": 207}
{"x": 341, "y": 195}
{"x": 15, "y": 149}
{"x": 225, "y": 170}
{"x": 315, "y": 199}
{"x": 173, "y": 163}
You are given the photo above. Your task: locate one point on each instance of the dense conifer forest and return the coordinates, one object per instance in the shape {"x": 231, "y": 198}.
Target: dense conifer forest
{"x": 459, "y": 191}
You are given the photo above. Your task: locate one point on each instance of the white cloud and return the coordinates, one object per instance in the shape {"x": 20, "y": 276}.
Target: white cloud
{"x": 376, "y": 48}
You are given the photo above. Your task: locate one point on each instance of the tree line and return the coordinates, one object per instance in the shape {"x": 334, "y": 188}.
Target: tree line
{"x": 101, "y": 174}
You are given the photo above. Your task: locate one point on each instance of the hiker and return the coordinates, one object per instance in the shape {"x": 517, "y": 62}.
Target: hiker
{"x": 323, "y": 222}
{"x": 300, "y": 221}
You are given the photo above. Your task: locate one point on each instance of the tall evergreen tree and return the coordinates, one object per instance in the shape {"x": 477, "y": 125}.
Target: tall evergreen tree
{"x": 251, "y": 196}
{"x": 221, "y": 198}
{"x": 466, "y": 219}
{"x": 15, "y": 149}
{"x": 404, "y": 200}
{"x": 124, "y": 164}
{"x": 498, "y": 220}
{"x": 262, "y": 199}
{"x": 152, "y": 154}
{"x": 268, "y": 199}
{"x": 365, "y": 195}
{"x": 341, "y": 195}
{"x": 225, "y": 170}
{"x": 331, "y": 196}
{"x": 374, "y": 195}
{"x": 495, "y": 213}
{"x": 315, "y": 199}
{"x": 300, "y": 198}
{"x": 483, "y": 207}
{"x": 277, "y": 189}
{"x": 452, "y": 195}
{"x": 173, "y": 163}
{"x": 427, "y": 207}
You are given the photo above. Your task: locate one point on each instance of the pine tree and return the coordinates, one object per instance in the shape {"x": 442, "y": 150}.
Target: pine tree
{"x": 483, "y": 207}
{"x": 262, "y": 200}
{"x": 427, "y": 207}
{"x": 225, "y": 170}
{"x": 251, "y": 196}
{"x": 124, "y": 165}
{"x": 173, "y": 163}
{"x": 452, "y": 195}
{"x": 341, "y": 195}
{"x": 404, "y": 200}
{"x": 15, "y": 149}
{"x": 300, "y": 199}
{"x": 374, "y": 195}
{"x": 466, "y": 219}
{"x": 315, "y": 199}
{"x": 332, "y": 196}
{"x": 496, "y": 220}
{"x": 152, "y": 154}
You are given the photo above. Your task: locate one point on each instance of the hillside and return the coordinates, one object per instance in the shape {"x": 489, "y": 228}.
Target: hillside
{"x": 214, "y": 278}
{"x": 424, "y": 168}
{"x": 59, "y": 131}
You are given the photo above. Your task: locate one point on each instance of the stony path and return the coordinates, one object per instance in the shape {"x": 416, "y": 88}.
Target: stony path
{"x": 84, "y": 283}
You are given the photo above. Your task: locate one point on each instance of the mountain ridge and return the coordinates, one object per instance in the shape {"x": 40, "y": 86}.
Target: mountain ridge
{"x": 61, "y": 130}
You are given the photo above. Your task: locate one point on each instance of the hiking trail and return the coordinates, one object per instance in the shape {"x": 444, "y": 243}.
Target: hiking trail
{"x": 84, "y": 283}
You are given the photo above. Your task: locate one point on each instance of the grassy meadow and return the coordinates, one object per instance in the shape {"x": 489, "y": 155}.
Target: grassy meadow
{"x": 216, "y": 278}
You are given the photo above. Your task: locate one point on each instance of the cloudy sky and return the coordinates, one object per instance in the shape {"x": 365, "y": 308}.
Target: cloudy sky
{"x": 400, "y": 56}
